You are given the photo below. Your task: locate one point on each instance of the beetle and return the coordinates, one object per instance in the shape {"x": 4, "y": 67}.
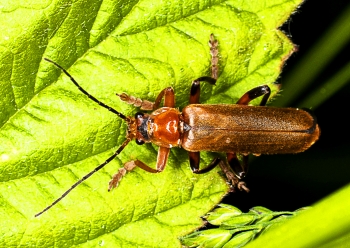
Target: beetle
{"x": 227, "y": 128}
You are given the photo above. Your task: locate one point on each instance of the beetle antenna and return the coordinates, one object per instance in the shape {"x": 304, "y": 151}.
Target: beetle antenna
{"x": 87, "y": 94}
{"x": 86, "y": 177}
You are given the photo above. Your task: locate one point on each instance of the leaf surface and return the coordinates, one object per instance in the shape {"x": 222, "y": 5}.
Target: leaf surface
{"x": 51, "y": 134}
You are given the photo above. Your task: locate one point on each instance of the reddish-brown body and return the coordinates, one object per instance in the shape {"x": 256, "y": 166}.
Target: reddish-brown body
{"x": 248, "y": 129}
{"x": 228, "y": 128}
{"x": 232, "y": 128}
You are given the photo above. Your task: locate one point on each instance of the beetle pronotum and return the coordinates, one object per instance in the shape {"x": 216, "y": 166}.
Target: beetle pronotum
{"x": 228, "y": 128}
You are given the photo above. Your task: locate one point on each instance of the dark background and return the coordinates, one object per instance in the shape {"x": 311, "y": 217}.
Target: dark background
{"x": 288, "y": 182}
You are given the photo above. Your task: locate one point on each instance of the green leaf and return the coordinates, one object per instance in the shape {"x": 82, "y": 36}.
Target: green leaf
{"x": 213, "y": 238}
{"x": 51, "y": 134}
{"x": 223, "y": 213}
{"x": 232, "y": 228}
{"x": 240, "y": 239}
{"x": 239, "y": 220}
{"x": 326, "y": 224}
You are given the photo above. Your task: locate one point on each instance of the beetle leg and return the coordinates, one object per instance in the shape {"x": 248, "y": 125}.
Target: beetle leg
{"x": 169, "y": 98}
{"x": 163, "y": 154}
{"x": 214, "y": 52}
{"x": 137, "y": 102}
{"x": 167, "y": 93}
{"x": 129, "y": 166}
{"x": 232, "y": 178}
{"x": 254, "y": 93}
{"x": 162, "y": 158}
{"x": 196, "y": 89}
{"x": 194, "y": 163}
{"x": 239, "y": 169}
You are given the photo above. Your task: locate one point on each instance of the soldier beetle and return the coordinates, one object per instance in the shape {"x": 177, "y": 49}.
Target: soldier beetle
{"x": 227, "y": 128}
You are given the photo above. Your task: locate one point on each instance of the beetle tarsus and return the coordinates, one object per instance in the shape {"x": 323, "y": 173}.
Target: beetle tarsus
{"x": 232, "y": 179}
{"x": 242, "y": 186}
{"x": 214, "y": 52}
{"x": 137, "y": 102}
{"x": 114, "y": 182}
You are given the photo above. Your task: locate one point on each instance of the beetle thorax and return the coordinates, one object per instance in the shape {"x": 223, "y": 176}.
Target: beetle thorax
{"x": 162, "y": 127}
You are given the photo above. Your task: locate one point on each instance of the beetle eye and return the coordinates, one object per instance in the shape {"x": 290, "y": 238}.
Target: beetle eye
{"x": 140, "y": 142}
{"x": 138, "y": 115}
